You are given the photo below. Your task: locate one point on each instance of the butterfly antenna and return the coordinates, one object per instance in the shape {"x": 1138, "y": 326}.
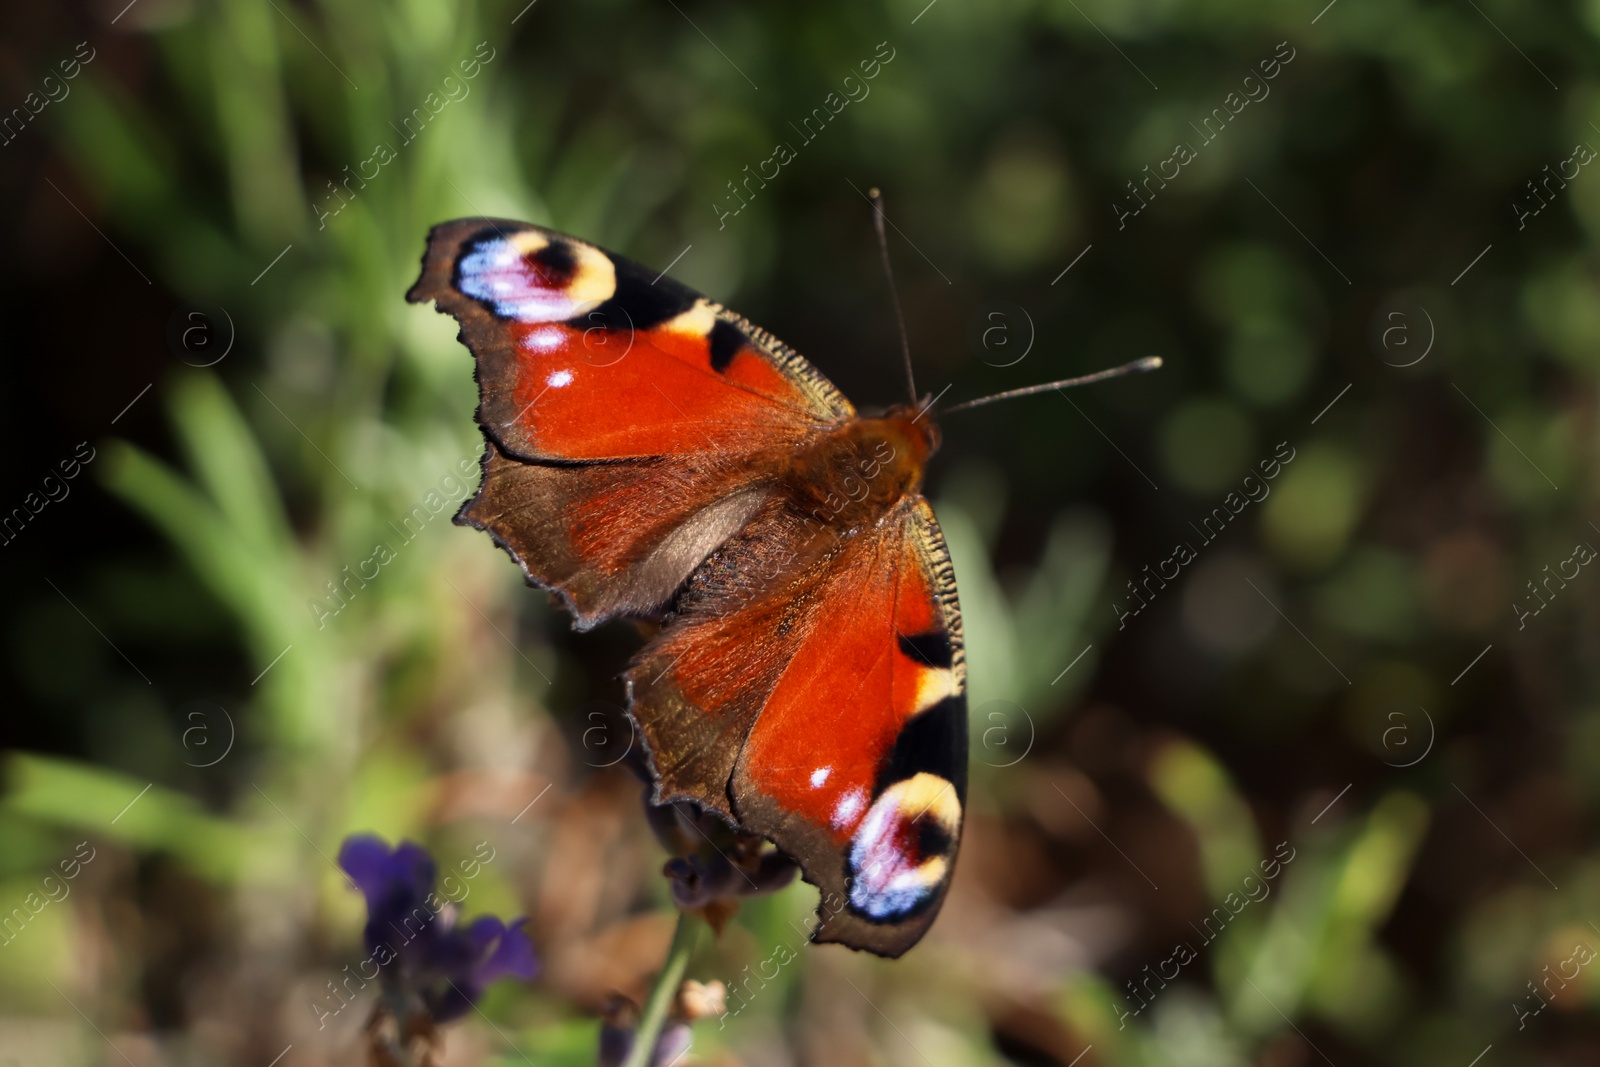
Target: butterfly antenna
{"x": 894, "y": 294}
{"x": 1138, "y": 366}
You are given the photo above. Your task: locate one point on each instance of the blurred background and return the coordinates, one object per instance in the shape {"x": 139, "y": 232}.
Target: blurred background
{"x": 1370, "y": 671}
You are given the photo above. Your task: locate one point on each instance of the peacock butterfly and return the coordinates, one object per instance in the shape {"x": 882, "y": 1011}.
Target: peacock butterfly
{"x": 651, "y": 454}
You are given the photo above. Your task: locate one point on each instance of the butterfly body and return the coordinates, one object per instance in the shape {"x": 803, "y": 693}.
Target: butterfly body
{"x": 862, "y": 471}
{"x": 650, "y": 454}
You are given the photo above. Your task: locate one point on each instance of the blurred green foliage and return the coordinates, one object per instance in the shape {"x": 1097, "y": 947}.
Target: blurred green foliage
{"x": 1309, "y": 679}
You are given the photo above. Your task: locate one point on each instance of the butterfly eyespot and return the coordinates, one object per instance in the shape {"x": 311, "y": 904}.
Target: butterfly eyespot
{"x": 528, "y": 277}
{"x": 900, "y": 853}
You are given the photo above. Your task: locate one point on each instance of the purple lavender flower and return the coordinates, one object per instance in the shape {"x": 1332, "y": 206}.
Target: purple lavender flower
{"x": 431, "y": 964}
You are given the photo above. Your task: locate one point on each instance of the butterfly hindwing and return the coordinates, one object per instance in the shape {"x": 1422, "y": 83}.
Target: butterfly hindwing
{"x": 611, "y": 539}
{"x": 832, "y": 710}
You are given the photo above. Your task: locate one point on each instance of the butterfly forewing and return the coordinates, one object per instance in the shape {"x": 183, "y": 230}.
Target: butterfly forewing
{"x": 584, "y": 355}
{"x": 586, "y": 361}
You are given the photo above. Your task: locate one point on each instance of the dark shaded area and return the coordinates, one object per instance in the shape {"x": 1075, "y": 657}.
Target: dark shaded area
{"x": 1378, "y": 260}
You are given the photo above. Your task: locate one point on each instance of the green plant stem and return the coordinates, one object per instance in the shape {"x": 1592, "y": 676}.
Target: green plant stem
{"x": 659, "y": 1002}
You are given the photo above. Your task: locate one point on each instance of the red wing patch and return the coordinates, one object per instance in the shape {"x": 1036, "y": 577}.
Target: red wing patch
{"x": 835, "y": 712}
{"x": 584, "y": 355}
